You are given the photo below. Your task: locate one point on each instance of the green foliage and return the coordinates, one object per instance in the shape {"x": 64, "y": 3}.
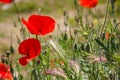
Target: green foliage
{"x": 117, "y": 5}
{"x": 80, "y": 51}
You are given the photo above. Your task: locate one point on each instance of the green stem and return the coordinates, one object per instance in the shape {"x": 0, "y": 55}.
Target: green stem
{"x": 105, "y": 19}
{"x": 19, "y": 19}
{"x": 36, "y": 36}
{"x": 78, "y": 13}
{"x": 17, "y": 12}
{"x": 116, "y": 26}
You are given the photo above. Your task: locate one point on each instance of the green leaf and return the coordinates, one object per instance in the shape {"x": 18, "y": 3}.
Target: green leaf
{"x": 101, "y": 44}
{"x": 116, "y": 57}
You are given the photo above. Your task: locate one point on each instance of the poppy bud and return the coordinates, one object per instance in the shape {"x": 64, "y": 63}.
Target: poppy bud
{"x": 11, "y": 49}
{"x": 65, "y": 13}
{"x": 88, "y": 48}
{"x": 75, "y": 46}
{"x": 38, "y": 61}
{"x": 82, "y": 47}
{"x": 2, "y": 59}
{"x": 50, "y": 36}
{"x": 7, "y": 53}
{"x": 65, "y": 37}
{"x": 103, "y": 36}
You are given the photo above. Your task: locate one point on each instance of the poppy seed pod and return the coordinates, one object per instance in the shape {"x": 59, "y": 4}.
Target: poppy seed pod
{"x": 65, "y": 37}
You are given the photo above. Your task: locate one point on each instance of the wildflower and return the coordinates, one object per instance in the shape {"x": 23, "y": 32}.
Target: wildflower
{"x": 6, "y": 1}
{"x": 75, "y": 66}
{"x": 39, "y": 25}
{"x": 58, "y": 61}
{"x": 88, "y": 3}
{"x": 52, "y": 62}
{"x": 30, "y": 49}
{"x": 107, "y": 35}
{"x": 100, "y": 59}
{"x": 95, "y": 59}
{"x": 61, "y": 62}
{"x": 5, "y": 72}
{"x": 56, "y": 72}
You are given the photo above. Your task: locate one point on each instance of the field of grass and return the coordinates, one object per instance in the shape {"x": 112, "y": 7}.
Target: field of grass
{"x": 85, "y": 44}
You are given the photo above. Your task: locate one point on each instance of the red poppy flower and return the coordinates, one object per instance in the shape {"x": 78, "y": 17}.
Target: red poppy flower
{"x": 6, "y": 1}
{"x": 88, "y": 3}
{"x": 39, "y": 25}
{"x": 5, "y": 72}
{"x": 30, "y": 49}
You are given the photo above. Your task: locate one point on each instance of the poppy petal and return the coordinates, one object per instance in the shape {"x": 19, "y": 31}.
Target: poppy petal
{"x": 49, "y": 22}
{"x": 40, "y": 25}
{"x": 28, "y": 46}
{"x": 30, "y": 27}
{"x": 5, "y": 72}
{"x": 2, "y": 67}
{"x": 8, "y": 76}
{"x": 88, "y": 3}
{"x": 34, "y": 50}
{"x": 6, "y": 1}
{"x": 23, "y": 61}
{"x": 31, "y": 48}
{"x": 24, "y": 48}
